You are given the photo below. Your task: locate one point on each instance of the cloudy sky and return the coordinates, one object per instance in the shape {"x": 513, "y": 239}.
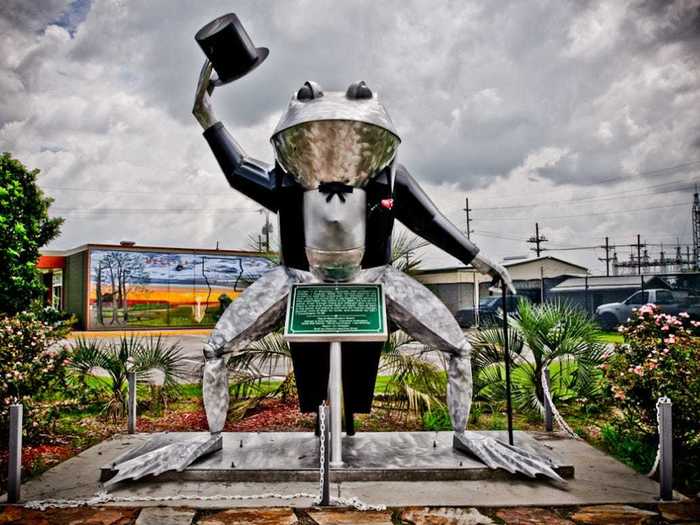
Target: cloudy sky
{"x": 582, "y": 116}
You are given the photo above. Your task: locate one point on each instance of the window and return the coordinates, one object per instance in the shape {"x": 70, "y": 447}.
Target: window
{"x": 638, "y": 299}
{"x": 57, "y": 289}
{"x": 664, "y": 297}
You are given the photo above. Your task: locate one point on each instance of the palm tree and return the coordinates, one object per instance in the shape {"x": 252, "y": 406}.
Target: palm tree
{"x": 415, "y": 384}
{"x": 152, "y": 359}
{"x": 405, "y": 256}
{"x": 553, "y": 344}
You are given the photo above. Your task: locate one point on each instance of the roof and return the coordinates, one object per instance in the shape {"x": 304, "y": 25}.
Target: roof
{"x": 142, "y": 248}
{"x": 604, "y": 282}
{"x": 507, "y": 264}
{"x": 510, "y": 264}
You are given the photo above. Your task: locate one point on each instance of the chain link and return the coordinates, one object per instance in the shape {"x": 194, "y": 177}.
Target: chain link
{"x": 322, "y": 448}
{"x": 104, "y": 497}
{"x": 657, "y": 459}
{"x": 557, "y": 416}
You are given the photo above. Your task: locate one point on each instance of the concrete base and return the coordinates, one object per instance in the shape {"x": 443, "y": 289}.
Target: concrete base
{"x": 599, "y": 479}
{"x": 368, "y": 456}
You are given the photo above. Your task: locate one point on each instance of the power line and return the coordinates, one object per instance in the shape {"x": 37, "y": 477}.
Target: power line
{"x": 90, "y": 211}
{"x": 634, "y": 210}
{"x": 610, "y": 196}
{"x": 633, "y": 178}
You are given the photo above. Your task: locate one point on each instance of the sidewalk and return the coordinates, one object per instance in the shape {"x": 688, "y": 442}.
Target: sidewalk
{"x": 170, "y": 332}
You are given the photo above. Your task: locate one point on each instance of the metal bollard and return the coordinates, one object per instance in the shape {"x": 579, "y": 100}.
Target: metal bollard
{"x": 325, "y": 438}
{"x": 548, "y": 414}
{"x": 666, "y": 445}
{"x": 14, "y": 474}
{"x": 131, "y": 403}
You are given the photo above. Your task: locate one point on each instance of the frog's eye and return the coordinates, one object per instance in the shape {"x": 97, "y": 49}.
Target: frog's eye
{"x": 309, "y": 91}
{"x": 358, "y": 90}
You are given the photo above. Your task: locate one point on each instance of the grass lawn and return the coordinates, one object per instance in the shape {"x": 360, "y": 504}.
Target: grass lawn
{"x": 612, "y": 337}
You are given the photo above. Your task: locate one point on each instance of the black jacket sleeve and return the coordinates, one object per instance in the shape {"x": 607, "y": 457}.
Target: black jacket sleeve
{"x": 251, "y": 177}
{"x": 418, "y": 213}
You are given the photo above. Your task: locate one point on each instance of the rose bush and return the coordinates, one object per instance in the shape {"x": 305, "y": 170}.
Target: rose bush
{"x": 660, "y": 357}
{"x": 31, "y": 366}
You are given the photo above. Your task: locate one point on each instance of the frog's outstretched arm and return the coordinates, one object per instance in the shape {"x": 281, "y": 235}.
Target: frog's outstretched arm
{"x": 417, "y": 212}
{"x": 253, "y": 178}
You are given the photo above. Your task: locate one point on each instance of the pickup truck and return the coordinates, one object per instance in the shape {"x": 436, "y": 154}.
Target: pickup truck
{"x": 611, "y": 315}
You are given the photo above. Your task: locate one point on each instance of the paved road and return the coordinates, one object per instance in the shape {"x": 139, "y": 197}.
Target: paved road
{"x": 192, "y": 345}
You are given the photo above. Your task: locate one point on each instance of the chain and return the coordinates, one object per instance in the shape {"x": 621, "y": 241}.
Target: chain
{"x": 657, "y": 460}
{"x": 557, "y": 416}
{"x": 104, "y": 497}
{"x": 322, "y": 454}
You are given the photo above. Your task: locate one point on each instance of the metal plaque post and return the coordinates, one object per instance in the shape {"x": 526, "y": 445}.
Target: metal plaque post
{"x": 131, "y": 403}
{"x": 14, "y": 474}
{"x": 335, "y": 396}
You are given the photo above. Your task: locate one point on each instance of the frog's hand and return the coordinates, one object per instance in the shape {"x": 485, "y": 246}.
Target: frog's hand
{"x": 497, "y": 454}
{"x": 173, "y": 456}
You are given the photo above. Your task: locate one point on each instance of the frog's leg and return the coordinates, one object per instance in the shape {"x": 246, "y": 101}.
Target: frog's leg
{"x": 422, "y": 315}
{"x": 259, "y": 310}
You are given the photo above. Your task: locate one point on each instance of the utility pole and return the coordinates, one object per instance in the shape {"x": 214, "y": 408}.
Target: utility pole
{"x": 639, "y": 254}
{"x": 267, "y": 229}
{"x": 607, "y": 257}
{"x": 467, "y": 209}
{"x": 537, "y": 240}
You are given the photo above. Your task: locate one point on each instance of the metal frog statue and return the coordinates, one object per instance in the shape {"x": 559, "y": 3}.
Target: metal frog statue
{"x": 337, "y": 189}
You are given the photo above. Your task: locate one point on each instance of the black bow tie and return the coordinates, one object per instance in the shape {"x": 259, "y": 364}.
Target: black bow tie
{"x": 334, "y": 188}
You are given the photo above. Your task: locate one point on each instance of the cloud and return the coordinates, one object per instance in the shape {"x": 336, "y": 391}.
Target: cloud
{"x": 539, "y": 103}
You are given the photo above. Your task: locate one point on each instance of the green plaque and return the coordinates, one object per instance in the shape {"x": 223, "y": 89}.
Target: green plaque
{"x": 336, "y": 312}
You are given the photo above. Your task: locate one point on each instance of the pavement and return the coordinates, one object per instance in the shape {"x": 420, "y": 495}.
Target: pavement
{"x": 599, "y": 479}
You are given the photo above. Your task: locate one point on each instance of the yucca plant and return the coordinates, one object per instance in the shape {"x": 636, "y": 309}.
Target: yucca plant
{"x": 553, "y": 338}
{"x": 416, "y": 385}
{"x": 148, "y": 357}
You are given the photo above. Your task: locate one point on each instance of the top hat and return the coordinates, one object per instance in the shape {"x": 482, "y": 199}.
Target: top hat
{"x": 229, "y": 48}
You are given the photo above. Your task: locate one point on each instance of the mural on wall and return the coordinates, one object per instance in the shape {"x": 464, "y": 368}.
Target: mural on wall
{"x": 152, "y": 289}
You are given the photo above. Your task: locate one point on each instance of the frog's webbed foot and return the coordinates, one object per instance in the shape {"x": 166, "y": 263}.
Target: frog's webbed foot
{"x": 497, "y": 454}
{"x": 161, "y": 454}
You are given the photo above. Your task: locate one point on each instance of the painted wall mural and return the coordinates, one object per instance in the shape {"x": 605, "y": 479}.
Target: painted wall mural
{"x": 165, "y": 289}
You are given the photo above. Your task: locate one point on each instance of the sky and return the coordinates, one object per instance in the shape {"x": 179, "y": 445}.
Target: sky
{"x": 582, "y": 116}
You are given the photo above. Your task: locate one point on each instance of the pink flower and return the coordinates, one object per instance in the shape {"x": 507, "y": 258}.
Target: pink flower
{"x": 639, "y": 370}
{"x": 684, "y": 315}
{"x": 665, "y": 328}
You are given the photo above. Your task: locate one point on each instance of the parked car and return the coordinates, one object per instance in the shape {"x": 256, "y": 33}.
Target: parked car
{"x": 611, "y": 315}
{"x": 488, "y": 310}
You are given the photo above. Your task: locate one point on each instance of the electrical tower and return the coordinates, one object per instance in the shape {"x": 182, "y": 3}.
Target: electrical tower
{"x": 696, "y": 229}
{"x": 537, "y": 240}
{"x": 607, "y": 258}
{"x": 467, "y": 209}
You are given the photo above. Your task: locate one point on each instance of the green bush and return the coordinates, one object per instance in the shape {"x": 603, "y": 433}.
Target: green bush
{"x": 437, "y": 418}
{"x": 32, "y": 366}
{"x": 660, "y": 357}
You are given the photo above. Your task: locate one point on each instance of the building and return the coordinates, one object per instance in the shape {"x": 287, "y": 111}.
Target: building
{"x": 592, "y": 291}
{"x": 463, "y": 287}
{"x": 133, "y": 287}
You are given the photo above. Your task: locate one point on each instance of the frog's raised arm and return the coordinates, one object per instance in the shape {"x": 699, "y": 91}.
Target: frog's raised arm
{"x": 253, "y": 178}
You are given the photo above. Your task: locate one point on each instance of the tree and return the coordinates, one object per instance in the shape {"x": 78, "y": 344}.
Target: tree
{"x": 25, "y": 227}
{"x": 554, "y": 338}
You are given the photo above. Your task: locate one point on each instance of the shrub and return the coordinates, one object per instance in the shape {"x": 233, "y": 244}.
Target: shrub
{"x": 660, "y": 357}
{"x": 32, "y": 365}
{"x": 153, "y": 359}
